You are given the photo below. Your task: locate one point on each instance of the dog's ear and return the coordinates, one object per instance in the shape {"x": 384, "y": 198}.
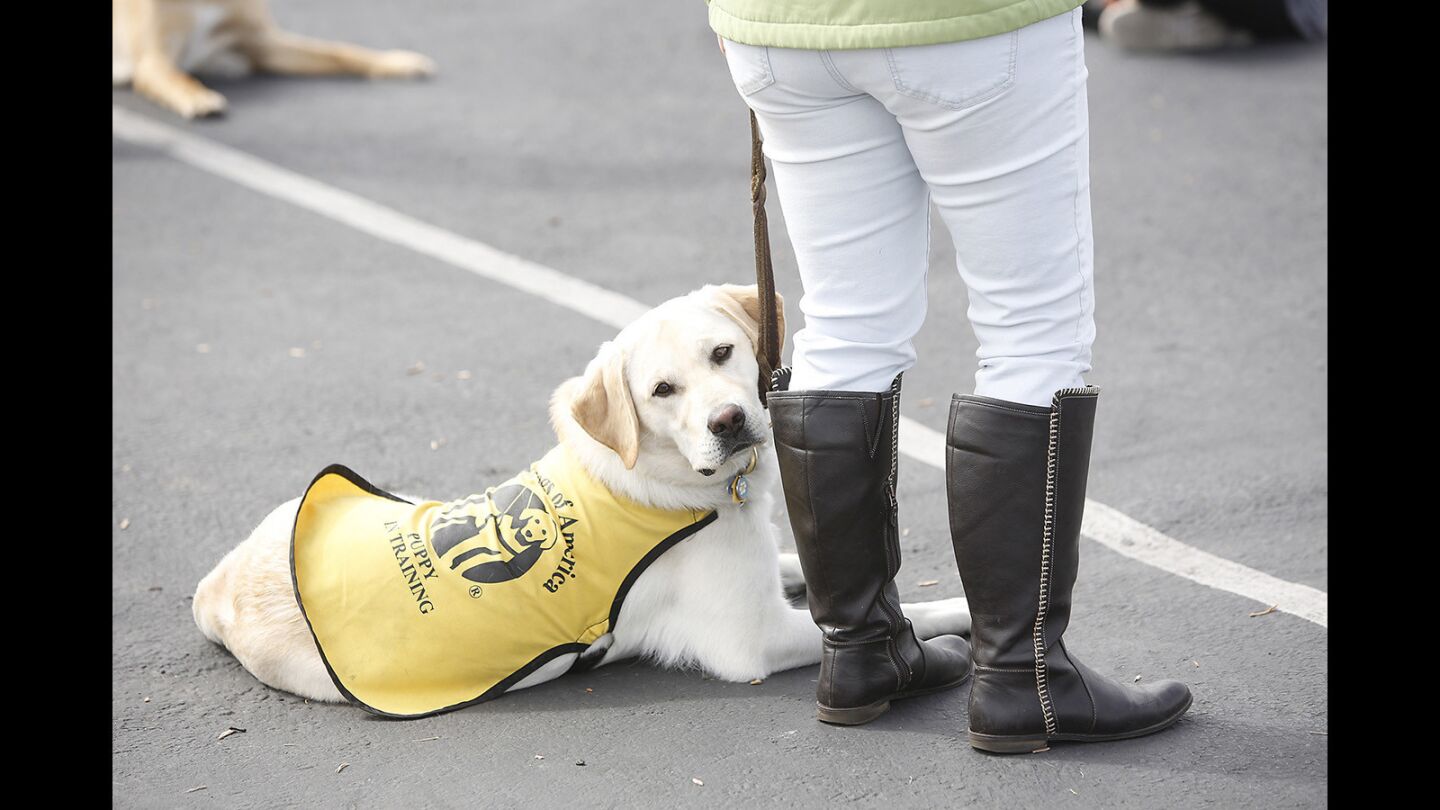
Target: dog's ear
{"x": 604, "y": 409}
{"x": 741, "y": 304}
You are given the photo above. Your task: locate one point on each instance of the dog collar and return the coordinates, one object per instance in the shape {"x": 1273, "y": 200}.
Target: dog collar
{"x": 740, "y": 485}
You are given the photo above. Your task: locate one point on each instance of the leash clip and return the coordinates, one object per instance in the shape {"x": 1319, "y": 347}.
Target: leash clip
{"x": 740, "y": 485}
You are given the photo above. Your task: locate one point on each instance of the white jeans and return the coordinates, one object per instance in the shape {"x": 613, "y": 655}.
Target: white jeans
{"x": 995, "y": 130}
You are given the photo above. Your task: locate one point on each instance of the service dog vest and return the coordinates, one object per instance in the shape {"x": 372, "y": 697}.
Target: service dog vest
{"x": 424, "y": 608}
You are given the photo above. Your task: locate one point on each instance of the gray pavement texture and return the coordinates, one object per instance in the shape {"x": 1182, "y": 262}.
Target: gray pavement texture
{"x": 605, "y": 140}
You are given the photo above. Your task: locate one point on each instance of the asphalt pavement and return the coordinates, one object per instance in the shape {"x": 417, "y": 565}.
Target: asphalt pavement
{"x": 255, "y": 342}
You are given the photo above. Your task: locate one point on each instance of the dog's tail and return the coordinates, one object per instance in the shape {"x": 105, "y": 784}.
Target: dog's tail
{"x": 264, "y": 558}
{"x": 213, "y": 606}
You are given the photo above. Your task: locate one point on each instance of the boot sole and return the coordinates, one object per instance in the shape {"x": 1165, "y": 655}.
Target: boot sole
{"x": 860, "y": 715}
{"x": 1025, "y": 744}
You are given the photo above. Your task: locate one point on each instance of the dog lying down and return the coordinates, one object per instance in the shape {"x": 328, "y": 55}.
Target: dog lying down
{"x": 646, "y": 531}
{"x": 157, "y": 44}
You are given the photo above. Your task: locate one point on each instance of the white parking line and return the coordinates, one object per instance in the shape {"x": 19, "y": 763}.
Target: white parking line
{"x": 1103, "y": 524}
{"x": 1125, "y": 535}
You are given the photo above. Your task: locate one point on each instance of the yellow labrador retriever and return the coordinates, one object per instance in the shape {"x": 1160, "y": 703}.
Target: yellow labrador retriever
{"x": 666, "y": 416}
{"x": 157, "y": 44}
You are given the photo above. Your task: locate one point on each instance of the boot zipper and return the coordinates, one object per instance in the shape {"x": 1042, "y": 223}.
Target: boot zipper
{"x": 892, "y": 545}
{"x": 1047, "y": 551}
{"x": 897, "y": 625}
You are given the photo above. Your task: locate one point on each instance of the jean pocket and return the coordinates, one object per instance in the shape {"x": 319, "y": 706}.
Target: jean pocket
{"x": 749, "y": 67}
{"x": 956, "y": 75}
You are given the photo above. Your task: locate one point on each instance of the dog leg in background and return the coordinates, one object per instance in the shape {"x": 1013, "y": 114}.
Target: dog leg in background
{"x": 930, "y": 619}
{"x": 153, "y": 71}
{"x": 939, "y": 618}
{"x": 793, "y": 640}
{"x": 247, "y": 603}
{"x": 279, "y": 51}
{"x": 548, "y": 671}
{"x": 122, "y": 60}
{"x": 157, "y": 79}
{"x": 792, "y": 580}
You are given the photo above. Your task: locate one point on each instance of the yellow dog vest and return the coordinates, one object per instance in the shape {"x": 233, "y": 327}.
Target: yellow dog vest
{"x": 423, "y": 608}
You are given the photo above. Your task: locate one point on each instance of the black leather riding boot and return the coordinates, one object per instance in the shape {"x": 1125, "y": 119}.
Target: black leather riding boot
{"x": 1016, "y": 475}
{"x": 838, "y": 463}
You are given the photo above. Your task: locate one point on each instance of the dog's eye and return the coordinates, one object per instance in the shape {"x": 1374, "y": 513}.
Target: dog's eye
{"x": 721, "y": 353}
{"x": 664, "y": 389}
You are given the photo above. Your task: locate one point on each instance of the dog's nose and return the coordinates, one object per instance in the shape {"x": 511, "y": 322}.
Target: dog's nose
{"x": 727, "y": 420}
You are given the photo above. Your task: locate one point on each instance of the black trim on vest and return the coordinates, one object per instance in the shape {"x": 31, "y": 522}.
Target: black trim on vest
{"x": 515, "y": 677}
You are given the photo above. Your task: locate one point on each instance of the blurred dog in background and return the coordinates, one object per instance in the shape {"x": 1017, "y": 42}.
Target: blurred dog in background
{"x": 157, "y": 44}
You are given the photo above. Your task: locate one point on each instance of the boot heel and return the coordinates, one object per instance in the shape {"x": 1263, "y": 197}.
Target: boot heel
{"x": 851, "y": 717}
{"x": 1008, "y": 745}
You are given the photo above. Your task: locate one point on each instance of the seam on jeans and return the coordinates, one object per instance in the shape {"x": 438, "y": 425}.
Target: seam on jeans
{"x": 1079, "y": 39}
{"x": 766, "y": 78}
{"x": 835, "y": 72}
{"x": 929, "y": 238}
{"x": 964, "y": 103}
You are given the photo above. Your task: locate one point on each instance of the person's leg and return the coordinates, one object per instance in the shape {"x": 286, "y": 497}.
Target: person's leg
{"x": 858, "y": 217}
{"x": 998, "y": 128}
{"x": 857, "y": 214}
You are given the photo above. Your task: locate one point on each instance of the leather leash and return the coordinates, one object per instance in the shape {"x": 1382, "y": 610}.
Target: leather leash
{"x": 764, "y": 270}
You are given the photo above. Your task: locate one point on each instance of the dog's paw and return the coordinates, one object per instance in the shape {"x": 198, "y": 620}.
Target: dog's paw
{"x": 593, "y": 654}
{"x": 797, "y": 596}
{"x": 941, "y": 617}
{"x": 200, "y": 104}
{"x": 401, "y": 65}
{"x": 792, "y": 580}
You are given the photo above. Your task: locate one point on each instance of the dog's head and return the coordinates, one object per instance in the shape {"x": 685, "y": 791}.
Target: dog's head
{"x": 678, "y": 384}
